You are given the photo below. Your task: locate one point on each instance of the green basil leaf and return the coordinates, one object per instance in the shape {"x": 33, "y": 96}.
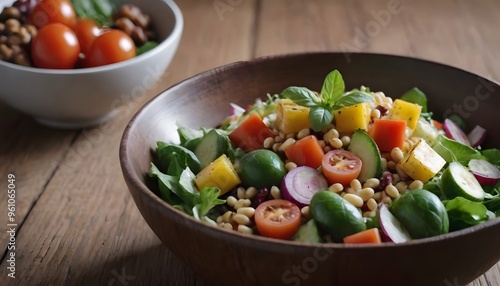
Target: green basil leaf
{"x": 320, "y": 117}
{"x": 173, "y": 159}
{"x": 333, "y": 87}
{"x": 146, "y": 47}
{"x": 352, "y": 98}
{"x": 301, "y": 96}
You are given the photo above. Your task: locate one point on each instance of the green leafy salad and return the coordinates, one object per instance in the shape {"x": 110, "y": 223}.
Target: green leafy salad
{"x": 334, "y": 165}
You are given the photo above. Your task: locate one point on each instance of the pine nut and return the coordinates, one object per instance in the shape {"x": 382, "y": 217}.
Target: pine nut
{"x": 241, "y": 203}
{"x": 227, "y": 216}
{"x": 402, "y": 174}
{"x": 275, "y": 192}
{"x": 278, "y": 139}
{"x": 355, "y": 184}
{"x": 396, "y": 154}
{"x": 350, "y": 190}
{"x": 336, "y": 188}
{"x": 305, "y": 212}
{"x": 391, "y": 165}
{"x": 282, "y": 135}
{"x": 372, "y": 204}
{"x": 375, "y": 113}
{"x": 240, "y": 193}
{"x": 289, "y": 142}
{"x": 401, "y": 186}
{"x": 303, "y": 133}
{"x": 392, "y": 191}
{"x": 241, "y": 219}
{"x": 371, "y": 183}
{"x": 417, "y": 184}
{"x": 346, "y": 140}
{"x": 387, "y": 200}
{"x": 366, "y": 193}
{"x": 384, "y": 164}
{"x": 332, "y": 133}
{"x": 356, "y": 200}
{"x": 227, "y": 225}
{"x": 246, "y": 211}
{"x": 219, "y": 220}
{"x": 268, "y": 142}
{"x": 231, "y": 201}
{"x": 276, "y": 147}
{"x": 369, "y": 214}
{"x": 378, "y": 196}
{"x": 322, "y": 143}
{"x": 290, "y": 166}
{"x": 336, "y": 143}
{"x": 290, "y": 135}
{"x": 251, "y": 192}
{"x": 244, "y": 229}
{"x": 327, "y": 149}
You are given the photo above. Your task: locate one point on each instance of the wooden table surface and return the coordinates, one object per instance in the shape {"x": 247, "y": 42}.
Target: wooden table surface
{"x": 76, "y": 223}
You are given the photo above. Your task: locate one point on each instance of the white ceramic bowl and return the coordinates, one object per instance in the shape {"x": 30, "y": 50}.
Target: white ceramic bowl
{"x": 78, "y": 98}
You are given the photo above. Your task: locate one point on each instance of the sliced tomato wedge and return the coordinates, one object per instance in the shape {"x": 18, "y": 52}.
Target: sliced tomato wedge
{"x": 277, "y": 219}
{"x": 341, "y": 166}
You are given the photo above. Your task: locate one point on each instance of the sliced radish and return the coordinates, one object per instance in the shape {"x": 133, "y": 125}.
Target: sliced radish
{"x": 486, "y": 173}
{"x": 236, "y": 109}
{"x": 476, "y": 136}
{"x": 301, "y": 183}
{"x": 392, "y": 229}
{"x": 453, "y": 131}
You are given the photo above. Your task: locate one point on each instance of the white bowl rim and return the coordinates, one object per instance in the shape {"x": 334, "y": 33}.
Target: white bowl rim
{"x": 169, "y": 40}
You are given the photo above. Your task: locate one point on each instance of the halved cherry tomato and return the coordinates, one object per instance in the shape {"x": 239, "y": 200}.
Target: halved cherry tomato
{"x": 55, "y": 47}
{"x": 86, "y": 31}
{"x": 277, "y": 219}
{"x": 110, "y": 47}
{"x": 52, "y": 11}
{"x": 341, "y": 166}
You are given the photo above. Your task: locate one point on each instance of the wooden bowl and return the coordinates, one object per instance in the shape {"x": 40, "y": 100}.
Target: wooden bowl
{"x": 230, "y": 258}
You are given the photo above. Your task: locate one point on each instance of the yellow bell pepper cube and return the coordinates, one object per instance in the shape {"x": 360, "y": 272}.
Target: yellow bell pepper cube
{"x": 404, "y": 110}
{"x": 291, "y": 117}
{"x": 422, "y": 162}
{"x": 220, "y": 173}
{"x": 351, "y": 118}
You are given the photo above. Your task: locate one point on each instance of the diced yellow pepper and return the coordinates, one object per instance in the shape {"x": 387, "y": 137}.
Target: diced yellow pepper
{"x": 404, "y": 110}
{"x": 220, "y": 173}
{"x": 291, "y": 117}
{"x": 422, "y": 162}
{"x": 351, "y": 118}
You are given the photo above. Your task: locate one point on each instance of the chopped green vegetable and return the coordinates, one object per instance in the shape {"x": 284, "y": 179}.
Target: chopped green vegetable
{"x": 453, "y": 151}
{"x": 463, "y": 213}
{"x": 99, "y": 11}
{"x": 173, "y": 159}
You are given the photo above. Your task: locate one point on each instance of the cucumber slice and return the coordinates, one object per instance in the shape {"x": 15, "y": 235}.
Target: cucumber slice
{"x": 457, "y": 181}
{"x": 366, "y": 149}
{"x": 211, "y": 146}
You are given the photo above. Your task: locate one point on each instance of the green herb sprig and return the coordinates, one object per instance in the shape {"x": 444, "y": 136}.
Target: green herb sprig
{"x": 322, "y": 105}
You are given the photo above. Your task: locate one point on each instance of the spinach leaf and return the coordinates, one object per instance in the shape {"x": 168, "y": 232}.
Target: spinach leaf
{"x": 415, "y": 95}
{"x": 463, "y": 213}
{"x": 99, "y": 11}
{"x": 173, "y": 159}
{"x": 146, "y": 47}
{"x": 169, "y": 189}
{"x": 453, "y": 151}
{"x": 492, "y": 155}
{"x": 187, "y": 134}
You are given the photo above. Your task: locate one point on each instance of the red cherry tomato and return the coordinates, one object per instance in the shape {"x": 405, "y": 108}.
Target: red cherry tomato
{"x": 55, "y": 47}
{"x": 52, "y": 11}
{"x": 341, "y": 166}
{"x": 277, "y": 219}
{"x": 86, "y": 31}
{"x": 110, "y": 47}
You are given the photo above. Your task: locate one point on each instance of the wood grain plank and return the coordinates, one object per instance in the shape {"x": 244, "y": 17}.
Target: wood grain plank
{"x": 84, "y": 228}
